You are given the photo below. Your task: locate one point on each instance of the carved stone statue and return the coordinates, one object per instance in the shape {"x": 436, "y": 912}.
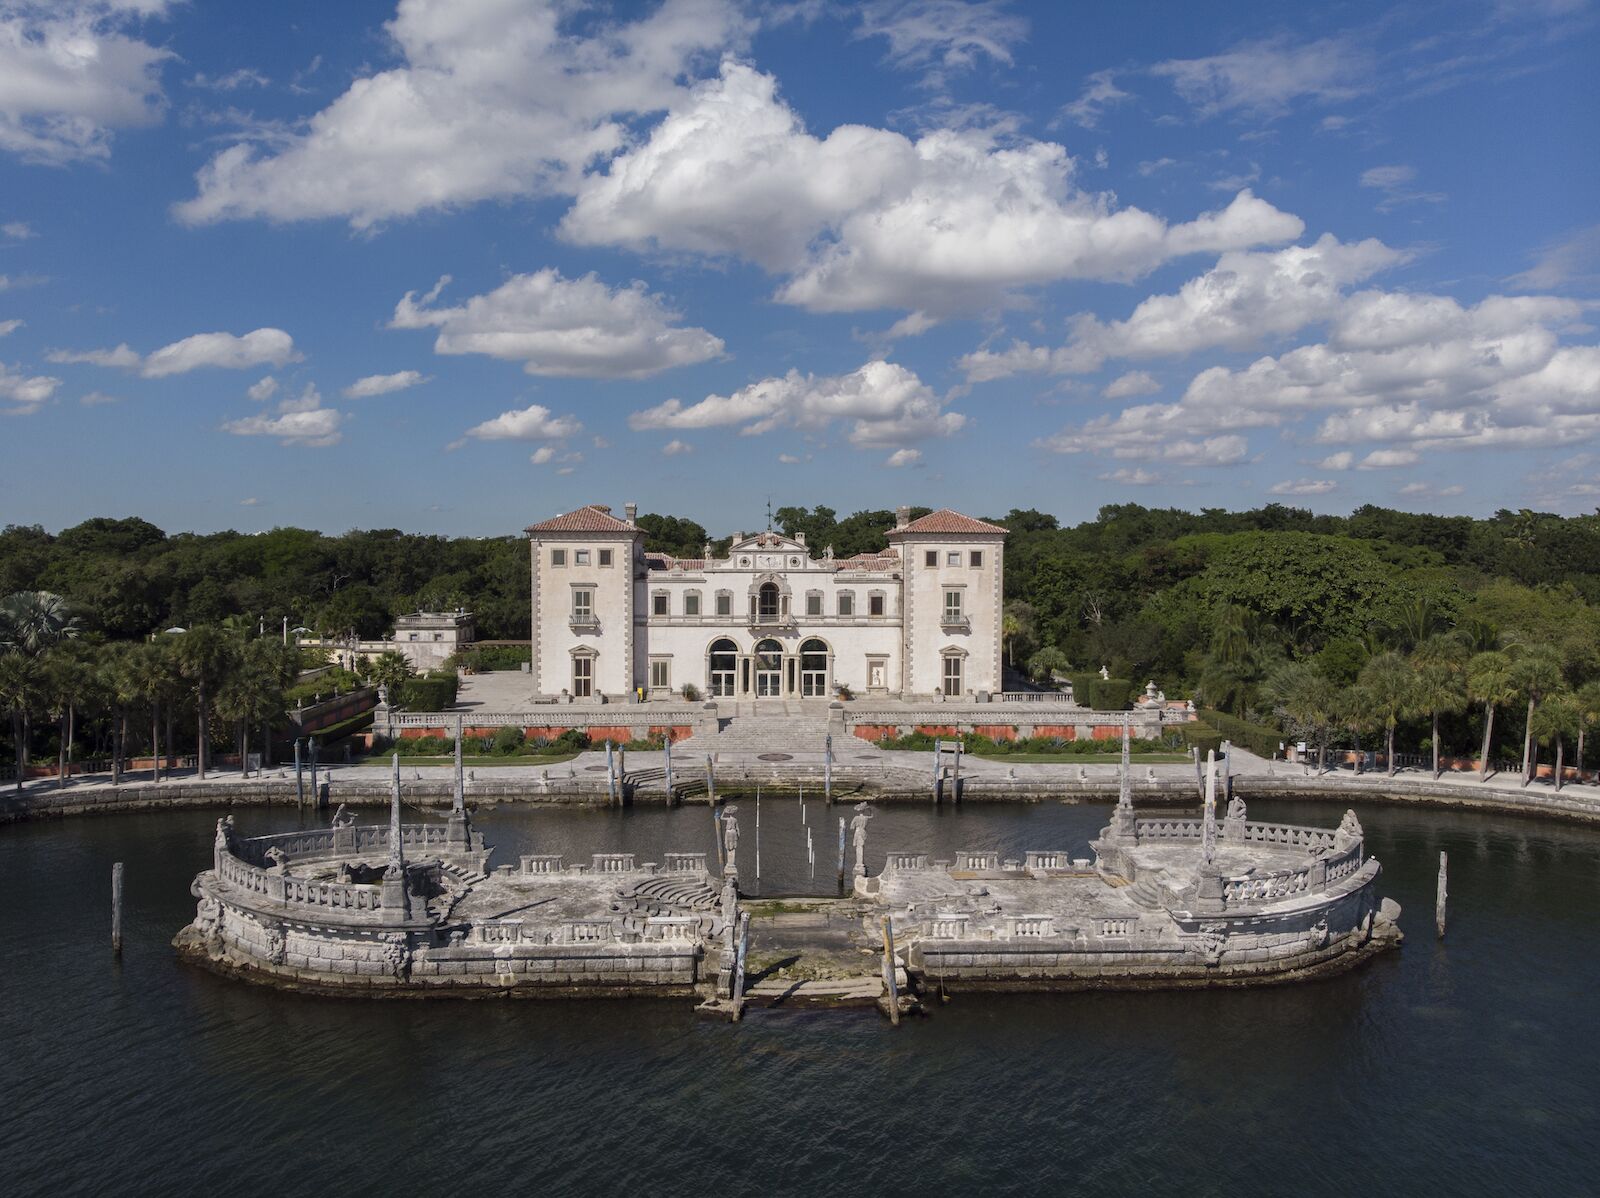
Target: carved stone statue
{"x": 1349, "y": 830}
{"x": 277, "y": 945}
{"x": 342, "y": 817}
{"x": 279, "y": 860}
{"x": 1105, "y": 674}
{"x": 1235, "y": 811}
{"x": 397, "y": 955}
{"x": 858, "y": 836}
{"x": 730, "y": 836}
{"x": 224, "y": 830}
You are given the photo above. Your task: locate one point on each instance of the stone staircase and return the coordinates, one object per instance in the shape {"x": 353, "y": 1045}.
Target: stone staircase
{"x": 762, "y": 726}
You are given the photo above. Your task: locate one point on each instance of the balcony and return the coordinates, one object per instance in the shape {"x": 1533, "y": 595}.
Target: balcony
{"x": 584, "y": 622}
{"x": 955, "y": 621}
{"x": 771, "y": 619}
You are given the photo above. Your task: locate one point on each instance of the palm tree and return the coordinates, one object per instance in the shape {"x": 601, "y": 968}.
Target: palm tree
{"x": 204, "y": 657}
{"x": 1587, "y": 698}
{"x": 1352, "y": 713}
{"x": 33, "y": 621}
{"x": 252, "y": 692}
{"x": 389, "y": 670}
{"x": 1489, "y": 681}
{"x": 1388, "y": 684}
{"x": 67, "y": 677}
{"x": 1441, "y": 682}
{"x": 118, "y": 680}
{"x": 1536, "y": 673}
{"x": 1309, "y": 700}
{"x": 1556, "y": 719}
{"x": 19, "y": 695}
{"x": 154, "y": 680}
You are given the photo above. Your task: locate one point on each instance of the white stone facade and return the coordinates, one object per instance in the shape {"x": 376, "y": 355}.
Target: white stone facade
{"x": 773, "y": 618}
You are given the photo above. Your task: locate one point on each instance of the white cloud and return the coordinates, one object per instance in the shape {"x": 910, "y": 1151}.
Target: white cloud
{"x": 1100, "y": 92}
{"x": 565, "y": 328}
{"x": 71, "y": 74}
{"x": 1132, "y": 476}
{"x": 1134, "y": 383}
{"x": 491, "y": 100}
{"x": 866, "y": 218}
{"x": 298, "y": 421}
{"x": 263, "y": 347}
{"x": 949, "y": 34}
{"x": 533, "y": 423}
{"x": 7, "y": 327}
{"x": 383, "y": 384}
{"x": 94, "y": 399}
{"x": 263, "y": 389}
{"x": 1150, "y": 433}
{"x": 1264, "y": 78}
{"x": 1388, "y": 459}
{"x": 244, "y": 77}
{"x": 250, "y": 502}
{"x": 17, "y": 230}
{"x": 675, "y": 448}
{"x": 543, "y": 454}
{"x": 1395, "y": 183}
{"x": 27, "y": 393}
{"x": 903, "y": 457}
{"x": 886, "y": 405}
{"x": 1246, "y": 297}
{"x": 1304, "y": 486}
{"x": 1571, "y": 260}
{"x": 1342, "y": 460}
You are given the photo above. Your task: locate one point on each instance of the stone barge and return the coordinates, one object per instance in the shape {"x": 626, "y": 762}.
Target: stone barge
{"x": 410, "y": 910}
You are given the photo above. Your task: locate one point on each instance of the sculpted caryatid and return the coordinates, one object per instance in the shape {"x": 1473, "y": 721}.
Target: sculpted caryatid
{"x": 1235, "y": 810}
{"x": 342, "y": 817}
{"x": 1349, "y": 828}
{"x": 730, "y": 835}
{"x": 858, "y": 837}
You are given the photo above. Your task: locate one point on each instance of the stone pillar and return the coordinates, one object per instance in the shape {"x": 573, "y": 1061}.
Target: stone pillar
{"x": 1122, "y": 823}
{"x": 457, "y": 835}
{"x": 396, "y": 901}
{"x": 1208, "y": 818}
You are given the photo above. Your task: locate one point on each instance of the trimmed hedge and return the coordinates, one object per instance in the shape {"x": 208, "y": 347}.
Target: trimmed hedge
{"x": 490, "y": 657}
{"x": 507, "y": 742}
{"x": 919, "y": 741}
{"x": 431, "y": 692}
{"x": 1102, "y": 694}
{"x": 1258, "y": 738}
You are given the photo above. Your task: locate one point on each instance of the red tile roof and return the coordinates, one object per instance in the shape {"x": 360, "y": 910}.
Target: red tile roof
{"x": 946, "y": 521}
{"x": 596, "y": 517}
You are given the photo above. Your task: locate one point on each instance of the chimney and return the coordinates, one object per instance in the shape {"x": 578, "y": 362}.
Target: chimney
{"x": 902, "y": 517}
{"x": 799, "y": 538}
{"x": 631, "y": 510}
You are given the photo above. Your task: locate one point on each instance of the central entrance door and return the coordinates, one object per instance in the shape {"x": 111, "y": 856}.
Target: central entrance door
{"x": 813, "y": 670}
{"x": 724, "y": 659}
{"x": 769, "y": 670}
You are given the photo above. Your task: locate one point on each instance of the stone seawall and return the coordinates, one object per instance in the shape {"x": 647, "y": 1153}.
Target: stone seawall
{"x": 881, "y": 783}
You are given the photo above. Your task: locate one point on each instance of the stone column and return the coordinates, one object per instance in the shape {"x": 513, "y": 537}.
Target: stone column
{"x": 396, "y": 902}
{"x": 1122, "y": 823}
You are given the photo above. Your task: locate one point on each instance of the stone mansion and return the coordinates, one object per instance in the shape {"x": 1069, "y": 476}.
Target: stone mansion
{"x": 774, "y": 618}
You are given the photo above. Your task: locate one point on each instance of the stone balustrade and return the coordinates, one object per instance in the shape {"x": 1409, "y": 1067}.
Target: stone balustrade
{"x": 1037, "y": 861}
{"x": 612, "y": 863}
{"x": 949, "y": 925}
{"x": 291, "y": 890}
{"x": 977, "y": 860}
{"x": 498, "y": 931}
{"x": 1290, "y": 836}
{"x": 901, "y": 861}
{"x": 672, "y": 928}
{"x": 589, "y": 931}
{"x": 1032, "y": 926}
{"x": 685, "y": 863}
{"x": 1118, "y": 926}
{"x": 542, "y": 863}
{"x": 1167, "y": 829}
{"x": 1282, "y": 883}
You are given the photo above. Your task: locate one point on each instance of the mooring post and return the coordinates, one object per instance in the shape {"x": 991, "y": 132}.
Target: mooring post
{"x": 711, "y": 782}
{"x": 1199, "y": 774}
{"x": 827, "y": 768}
{"x": 716, "y": 836}
{"x": 1438, "y": 903}
{"x": 1227, "y": 771}
{"x": 459, "y": 798}
{"x": 955, "y": 783}
{"x": 116, "y": 909}
{"x": 889, "y": 987}
{"x": 611, "y": 775}
{"x": 672, "y": 795}
{"x": 841, "y": 854}
{"x": 937, "y": 743}
{"x": 738, "y": 965}
{"x": 758, "y": 834}
{"x": 811, "y": 854}
{"x": 311, "y": 744}
{"x": 299, "y": 779}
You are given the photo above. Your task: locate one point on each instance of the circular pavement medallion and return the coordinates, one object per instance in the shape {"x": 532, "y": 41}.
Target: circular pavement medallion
{"x": 776, "y": 757}
{"x": 595, "y": 769}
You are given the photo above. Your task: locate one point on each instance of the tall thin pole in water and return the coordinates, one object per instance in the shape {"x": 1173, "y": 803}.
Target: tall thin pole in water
{"x": 841, "y": 854}
{"x": 827, "y": 769}
{"x": 1439, "y": 899}
{"x": 758, "y": 834}
{"x": 937, "y": 744}
{"x": 672, "y": 795}
{"x": 890, "y": 989}
{"x": 299, "y": 779}
{"x": 116, "y": 909}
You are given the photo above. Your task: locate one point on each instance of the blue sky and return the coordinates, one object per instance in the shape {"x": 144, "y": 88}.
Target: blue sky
{"x": 454, "y": 267}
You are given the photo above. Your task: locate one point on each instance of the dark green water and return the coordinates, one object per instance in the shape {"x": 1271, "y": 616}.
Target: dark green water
{"x": 1468, "y": 1067}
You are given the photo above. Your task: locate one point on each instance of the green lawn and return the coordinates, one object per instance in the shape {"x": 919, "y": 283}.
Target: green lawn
{"x": 471, "y": 761}
{"x": 1087, "y": 758}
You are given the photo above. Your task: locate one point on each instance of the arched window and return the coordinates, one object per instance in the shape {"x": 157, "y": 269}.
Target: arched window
{"x": 723, "y": 662}
{"x": 769, "y": 669}
{"x": 767, "y": 601}
{"x": 814, "y": 669}
{"x": 583, "y": 674}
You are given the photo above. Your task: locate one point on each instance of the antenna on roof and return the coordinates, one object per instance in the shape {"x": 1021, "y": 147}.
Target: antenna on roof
{"x": 769, "y": 513}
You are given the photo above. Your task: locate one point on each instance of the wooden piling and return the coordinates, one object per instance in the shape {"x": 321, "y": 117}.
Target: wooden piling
{"x": 827, "y": 769}
{"x": 116, "y": 909}
{"x": 955, "y": 783}
{"x": 711, "y": 782}
{"x": 611, "y": 775}
{"x": 841, "y": 854}
{"x": 937, "y": 749}
{"x": 672, "y": 794}
{"x": 1439, "y": 899}
{"x": 890, "y": 989}
{"x": 299, "y": 779}
{"x": 738, "y": 965}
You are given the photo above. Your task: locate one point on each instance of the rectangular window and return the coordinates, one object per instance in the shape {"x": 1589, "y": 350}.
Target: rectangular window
{"x": 874, "y": 605}
{"x": 724, "y": 603}
{"x": 952, "y": 604}
{"x": 558, "y": 557}
{"x": 580, "y": 557}
{"x": 847, "y": 603}
{"x": 582, "y": 677}
{"x": 953, "y": 558}
{"x": 691, "y": 603}
{"x": 605, "y": 557}
{"x": 976, "y": 559}
{"x": 931, "y": 559}
{"x": 814, "y": 603}
{"x": 952, "y": 675}
{"x": 660, "y": 675}
{"x": 582, "y": 603}
{"x": 658, "y": 605}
